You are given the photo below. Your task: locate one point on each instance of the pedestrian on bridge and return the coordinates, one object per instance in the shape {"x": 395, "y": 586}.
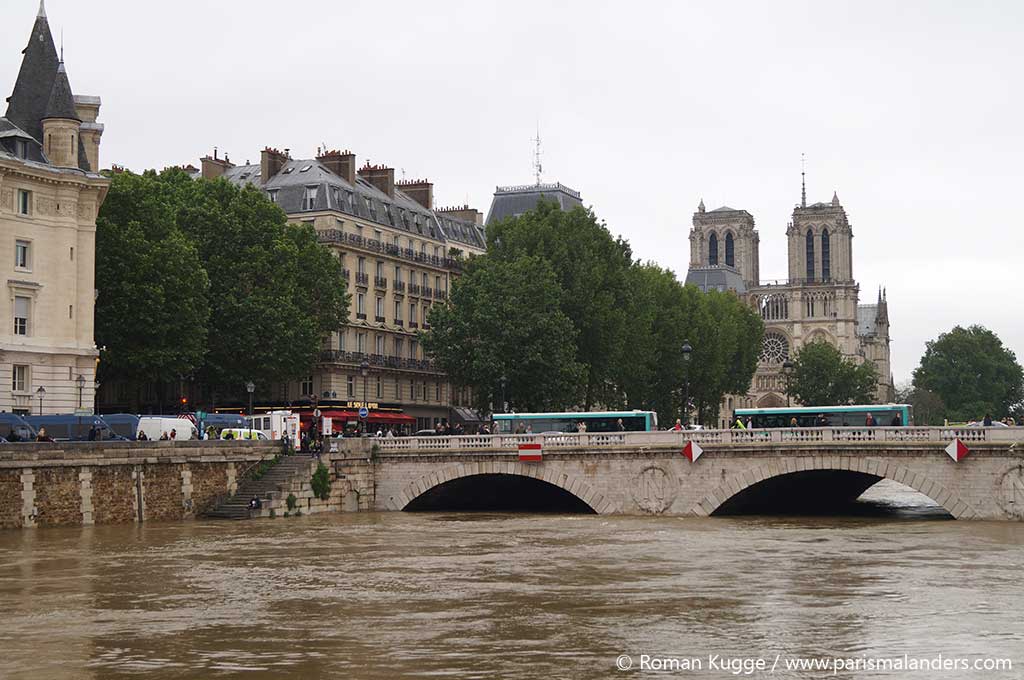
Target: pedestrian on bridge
{"x": 869, "y": 421}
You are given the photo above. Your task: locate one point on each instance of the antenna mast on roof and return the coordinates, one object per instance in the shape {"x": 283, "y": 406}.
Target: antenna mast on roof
{"x": 803, "y": 182}
{"x": 536, "y": 155}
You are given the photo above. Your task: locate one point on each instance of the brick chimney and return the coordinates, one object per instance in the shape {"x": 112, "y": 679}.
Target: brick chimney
{"x": 464, "y": 213}
{"x": 271, "y": 162}
{"x": 379, "y": 176}
{"x": 341, "y": 163}
{"x": 215, "y": 167}
{"x": 419, "y": 190}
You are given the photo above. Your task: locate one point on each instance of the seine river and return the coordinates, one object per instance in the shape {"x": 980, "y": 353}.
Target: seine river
{"x": 517, "y": 596}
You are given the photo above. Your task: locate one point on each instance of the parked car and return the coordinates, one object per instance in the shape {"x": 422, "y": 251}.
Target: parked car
{"x": 155, "y": 426}
{"x": 15, "y": 429}
{"x": 123, "y": 424}
{"x": 68, "y": 427}
{"x": 242, "y": 433}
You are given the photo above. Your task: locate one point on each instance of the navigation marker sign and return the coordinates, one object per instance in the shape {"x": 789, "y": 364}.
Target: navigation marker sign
{"x": 957, "y": 450}
{"x": 530, "y": 452}
{"x": 692, "y": 451}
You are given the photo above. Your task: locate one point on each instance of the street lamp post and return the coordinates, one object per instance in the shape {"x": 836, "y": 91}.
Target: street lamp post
{"x": 504, "y": 405}
{"x": 40, "y": 393}
{"x": 80, "y": 380}
{"x": 364, "y": 369}
{"x": 250, "y": 387}
{"x": 686, "y": 349}
{"x": 787, "y": 370}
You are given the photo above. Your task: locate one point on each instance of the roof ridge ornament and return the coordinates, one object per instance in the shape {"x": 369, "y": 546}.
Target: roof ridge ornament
{"x": 42, "y": 10}
{"x": 803, "y": 181}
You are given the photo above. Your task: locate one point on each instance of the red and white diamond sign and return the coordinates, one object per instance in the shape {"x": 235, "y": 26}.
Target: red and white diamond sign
{"x": 692, "y": 451}
{"x": 957, "y": 450}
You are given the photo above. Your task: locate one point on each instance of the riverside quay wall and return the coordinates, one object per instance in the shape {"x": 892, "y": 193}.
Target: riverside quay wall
{"x": 77, "y": 483}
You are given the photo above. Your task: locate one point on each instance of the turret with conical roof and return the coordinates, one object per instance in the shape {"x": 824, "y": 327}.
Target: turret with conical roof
{"x": 62, "y": 128}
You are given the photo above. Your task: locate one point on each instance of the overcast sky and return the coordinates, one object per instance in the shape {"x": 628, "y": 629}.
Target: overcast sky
{"x": 912, "y": 111}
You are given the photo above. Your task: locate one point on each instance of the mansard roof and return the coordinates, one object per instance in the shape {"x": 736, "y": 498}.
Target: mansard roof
{"x": 362, "y": 199}
{"x": 512, "y": 201}
{"x": 716, "y": 277}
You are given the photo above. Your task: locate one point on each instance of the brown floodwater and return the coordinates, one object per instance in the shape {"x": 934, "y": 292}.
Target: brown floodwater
{"x": 478, "y": 595}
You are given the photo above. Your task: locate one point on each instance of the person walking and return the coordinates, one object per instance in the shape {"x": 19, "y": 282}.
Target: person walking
{"x": 792, "y": 422}
{"x": 869, "y": 421}
{"x": 619, "y": 426}
{"x": 678, "y": 426}
{"x": 988, "y": 420}
{"x": 42, "y": 436}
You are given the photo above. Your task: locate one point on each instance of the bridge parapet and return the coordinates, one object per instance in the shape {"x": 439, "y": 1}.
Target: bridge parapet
{"x": 505, "y": 442}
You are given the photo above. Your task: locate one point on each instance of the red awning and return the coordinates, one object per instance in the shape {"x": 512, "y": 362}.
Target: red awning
{"x": 377, "y": 417}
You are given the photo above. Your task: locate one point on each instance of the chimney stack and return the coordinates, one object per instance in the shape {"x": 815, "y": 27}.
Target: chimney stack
{"x": 341, "y": 163}
{"x": 419, "y": 190}
{"x": 271, "y": 163}
{"x": 464, "y": 213}
{"x": 215, "y": 167}
{"x": 379, "y": 176}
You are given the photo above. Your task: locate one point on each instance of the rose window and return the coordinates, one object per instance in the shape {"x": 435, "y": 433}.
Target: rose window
{"x": 774, "y": 348}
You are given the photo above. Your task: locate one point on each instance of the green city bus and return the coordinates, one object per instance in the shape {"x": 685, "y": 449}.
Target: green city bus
{"x": 596, "y": 421}
{"x": 885, "y": 415}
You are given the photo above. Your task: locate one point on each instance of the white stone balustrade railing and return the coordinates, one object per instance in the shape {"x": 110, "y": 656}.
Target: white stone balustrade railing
{"x": 504, "y": 442}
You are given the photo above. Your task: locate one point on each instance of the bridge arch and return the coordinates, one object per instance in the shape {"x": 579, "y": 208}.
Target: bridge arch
{"x": 734, "y": 485}
{"x": 575, "y": 487}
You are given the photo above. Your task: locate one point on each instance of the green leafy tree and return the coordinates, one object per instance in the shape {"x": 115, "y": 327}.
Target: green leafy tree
{"x": 973, "y": 374}
{"x": 591, "y": 268}
{"x": 153, "y": 308}
{"x": 822, "y": 376}
{"x": 503, "y": 319}
{"x": 927, "y": 406}
{"x": 275, "y": 293}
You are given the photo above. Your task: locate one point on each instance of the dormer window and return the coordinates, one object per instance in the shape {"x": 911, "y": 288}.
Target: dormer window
{"x": 21, "y": 148}
{"x": 288, "y": 171}
{"x": 309, "y": 199}
{"x": 305, "y": 168}
{"x": 272, "y": 195}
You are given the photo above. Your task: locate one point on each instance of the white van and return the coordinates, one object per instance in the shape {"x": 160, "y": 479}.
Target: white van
{"x": 156, "y": 426}
{"x": 273, "y": 424}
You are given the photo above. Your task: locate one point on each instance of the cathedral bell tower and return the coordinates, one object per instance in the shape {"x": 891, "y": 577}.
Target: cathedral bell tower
{"x": 820, "y": 243}
{"x": 725, "y": 237}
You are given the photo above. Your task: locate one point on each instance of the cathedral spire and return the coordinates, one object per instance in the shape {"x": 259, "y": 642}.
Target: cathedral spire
{"x": 803, "y": 183}
{"x": 835, "y": 199}
{"x": 42, "y": 10}
{"x": 700, "y": 208}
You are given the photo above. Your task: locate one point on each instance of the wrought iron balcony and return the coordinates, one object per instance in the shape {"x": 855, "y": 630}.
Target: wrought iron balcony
{"x": 361, "y": 316}
{"x": 414, "y": 289}
{"x": 362, "y": 278}
{"x": 428, "y": 292}
{"x": 399, "y": 286}
{"x": 413, "y": 324}
{"x": 379, "y": 319}
{"x": 380, "y": 282}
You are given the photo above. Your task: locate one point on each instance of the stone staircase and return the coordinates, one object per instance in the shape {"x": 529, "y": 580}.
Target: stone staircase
{"x": 291, "y": 472}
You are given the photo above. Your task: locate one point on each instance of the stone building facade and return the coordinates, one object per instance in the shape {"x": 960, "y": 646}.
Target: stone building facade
{"x": 399, "y": 255}
{"x": 50, "y": 193}
{"x": 819, "y": 301}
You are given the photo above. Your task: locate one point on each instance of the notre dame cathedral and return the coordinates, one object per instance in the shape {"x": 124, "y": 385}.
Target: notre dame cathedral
{"x": 820, "y": 301}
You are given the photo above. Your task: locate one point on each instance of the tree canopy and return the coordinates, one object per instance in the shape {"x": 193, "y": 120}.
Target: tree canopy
{"x": 972, "y": 373}
{"x": 503, "y": 321}
{"x": 822, "y": 376}
{"x": 614, "y": 328}
{"x": 239, "y": 291}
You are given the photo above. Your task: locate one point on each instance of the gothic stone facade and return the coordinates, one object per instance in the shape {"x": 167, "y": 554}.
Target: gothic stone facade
{"x": 818, "y": 302}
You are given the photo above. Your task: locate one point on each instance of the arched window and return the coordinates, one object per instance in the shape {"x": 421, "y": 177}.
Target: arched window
{"x": 713, "y": 249}
{"x": 810, "y": 255}
{"x": 730, "y": 258}
{"x": 826, "y": 266}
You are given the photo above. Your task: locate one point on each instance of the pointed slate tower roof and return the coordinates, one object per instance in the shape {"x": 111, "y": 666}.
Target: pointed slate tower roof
{"x": 62, "y": 102}
{"x": 27, "y": 105}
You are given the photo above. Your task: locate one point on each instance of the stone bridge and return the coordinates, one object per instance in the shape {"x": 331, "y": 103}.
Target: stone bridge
{"x": 647, "y": 473}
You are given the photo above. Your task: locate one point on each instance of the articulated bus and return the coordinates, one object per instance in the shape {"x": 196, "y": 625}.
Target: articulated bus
{"x": 885, "y": 415}
{"x": 596, "y": 421}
